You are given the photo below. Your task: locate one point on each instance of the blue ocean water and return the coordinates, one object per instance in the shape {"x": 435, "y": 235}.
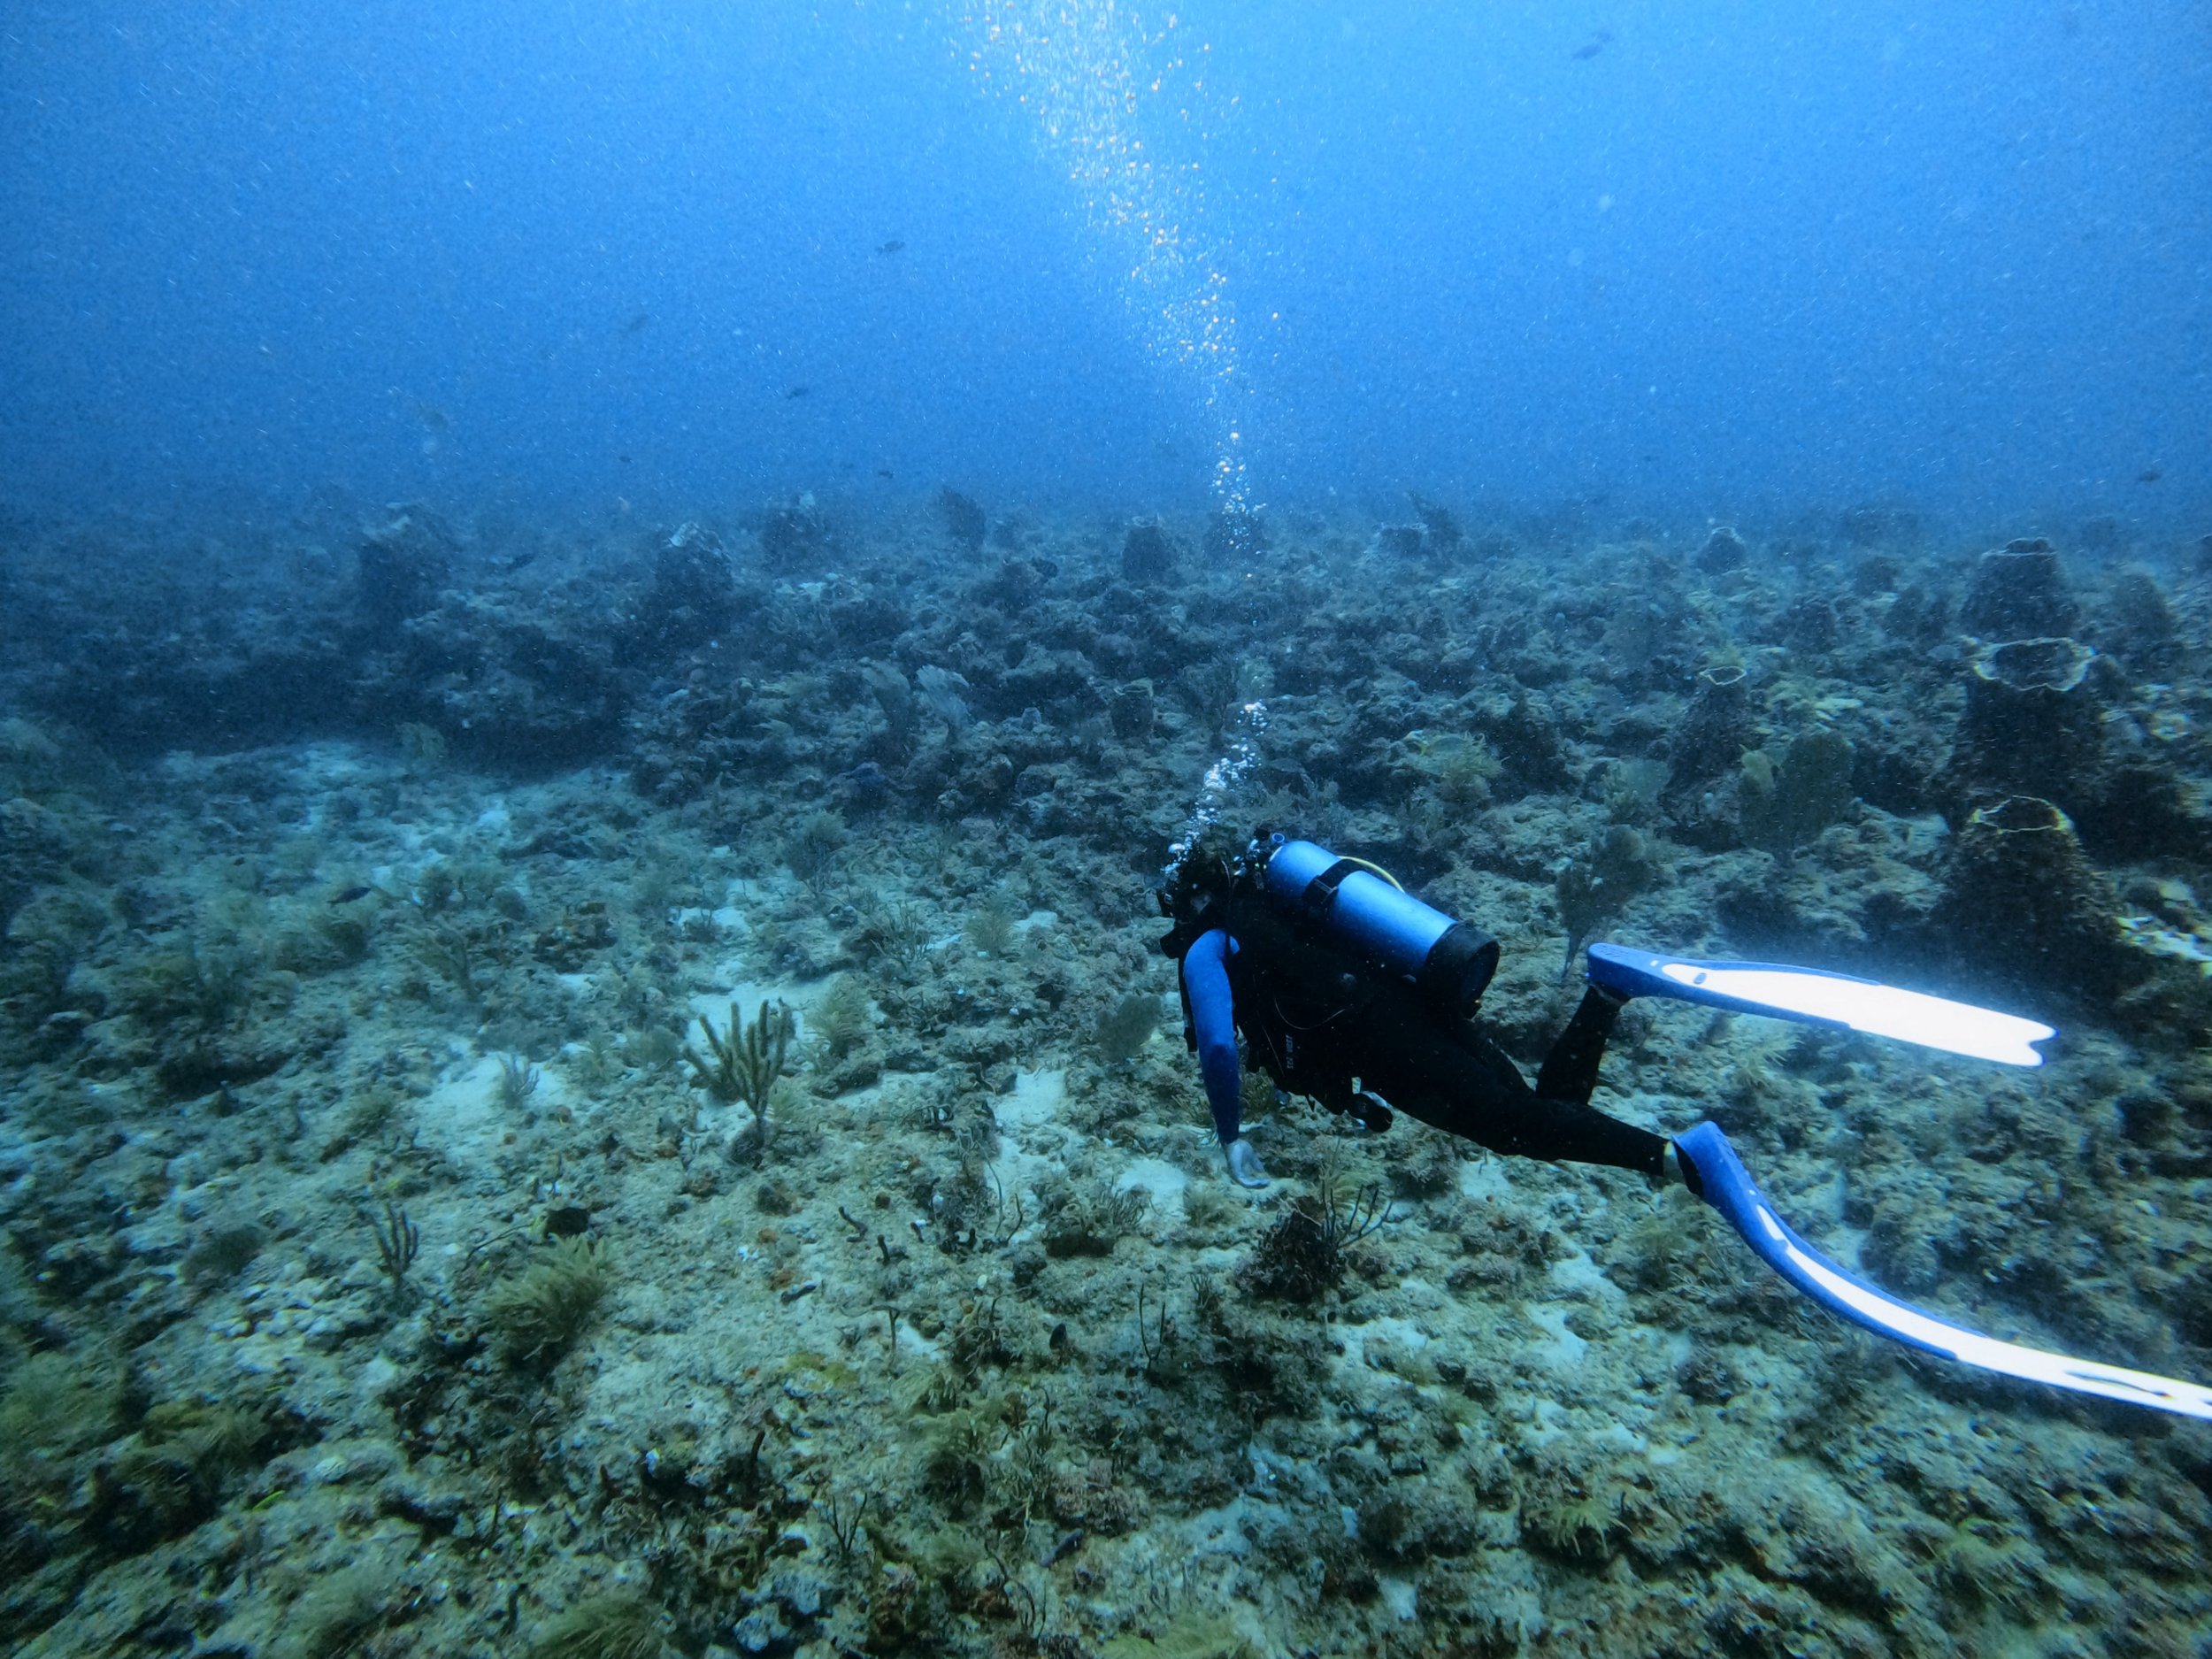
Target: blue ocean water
{"x": 1708, "y": 256}
{"x": 615, "y": 619}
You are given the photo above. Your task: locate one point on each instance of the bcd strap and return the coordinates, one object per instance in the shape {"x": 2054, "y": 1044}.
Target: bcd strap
{"x": 1320, "y": 892}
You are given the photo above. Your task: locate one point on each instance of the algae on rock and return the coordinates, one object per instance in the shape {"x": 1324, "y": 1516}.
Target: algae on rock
{"x": 1592, "y": 886}
{"x": 1785, "y": 806}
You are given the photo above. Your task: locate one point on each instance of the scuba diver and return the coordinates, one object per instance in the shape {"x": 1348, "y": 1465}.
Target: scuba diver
{"x": 1351, "y": 991}
{"x": 1332, "y": 1023}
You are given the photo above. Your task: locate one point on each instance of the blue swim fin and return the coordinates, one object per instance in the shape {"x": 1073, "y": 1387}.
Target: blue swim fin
{"x": 1822, "y": 999}
{"x": 1728, "y": 1186}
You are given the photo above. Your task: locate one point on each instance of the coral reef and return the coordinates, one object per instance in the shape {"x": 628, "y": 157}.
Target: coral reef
{"x": 383, "y": 1268}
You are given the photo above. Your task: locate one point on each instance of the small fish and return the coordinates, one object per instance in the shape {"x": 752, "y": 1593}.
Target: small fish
{"x": 893, "y": 246}
{"x": 351, "y": 893}
{"x": 2150, "y": 475}
{"x": 1598, "y": 41}
{"x": 509, "y": 567}
{"x": 883, "y": 472}
{"x": 796, "y": 391}
{"x": 433, "y": 416}
{"x": 637, "y": 324}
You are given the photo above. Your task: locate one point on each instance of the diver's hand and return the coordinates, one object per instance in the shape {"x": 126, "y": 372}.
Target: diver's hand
{"x": 1245, "y": 1168}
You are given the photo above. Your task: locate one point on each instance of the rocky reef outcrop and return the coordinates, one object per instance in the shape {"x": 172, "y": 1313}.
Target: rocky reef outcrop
{"x": 377, "y": 1268}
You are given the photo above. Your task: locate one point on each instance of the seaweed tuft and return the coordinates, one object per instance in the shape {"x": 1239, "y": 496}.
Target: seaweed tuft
{"x": 538, "y": 1313}
{"x": 1302, "y": 1256}
{"x": 611, "y": 1624}
{"x": 336, "y": 1614}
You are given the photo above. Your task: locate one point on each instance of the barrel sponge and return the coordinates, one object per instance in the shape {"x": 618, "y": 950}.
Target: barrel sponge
{"x": 2018, "y": 591}
{"x": 2033, "y": 722}
{"x": 2021, "y": 901}
{"x": 1716, "y": 729}
{"x": 1784, "y": 807}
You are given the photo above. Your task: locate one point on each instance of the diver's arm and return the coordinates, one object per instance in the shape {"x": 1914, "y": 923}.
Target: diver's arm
{"x": 1214, "y": 1025}
{"x": 1213, "y": 1021}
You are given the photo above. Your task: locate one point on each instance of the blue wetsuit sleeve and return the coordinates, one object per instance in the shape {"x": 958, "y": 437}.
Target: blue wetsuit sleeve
{"x": 1213, "y": 1019}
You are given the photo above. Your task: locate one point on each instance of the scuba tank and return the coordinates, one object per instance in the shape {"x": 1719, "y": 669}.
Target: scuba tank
{"x": 1361, "y": 909}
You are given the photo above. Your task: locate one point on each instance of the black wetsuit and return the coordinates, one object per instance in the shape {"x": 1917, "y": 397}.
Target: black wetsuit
{"x": 1320, "y": 1021}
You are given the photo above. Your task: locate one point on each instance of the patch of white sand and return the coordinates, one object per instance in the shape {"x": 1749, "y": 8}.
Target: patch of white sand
{"x": 1035, "y": 1100}
{"x": 1565, "y": 1349}
{"x": 1484, "y": 1177}
{"x": 1156, "y": 1176}
{"x": 462, "y": 1110}
{"x": 1396, "y": 1335}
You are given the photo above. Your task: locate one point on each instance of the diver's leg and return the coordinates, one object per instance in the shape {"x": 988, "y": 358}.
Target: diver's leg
{"x": 1571, "y": 1070}
{"x": 1453, "y": 1078}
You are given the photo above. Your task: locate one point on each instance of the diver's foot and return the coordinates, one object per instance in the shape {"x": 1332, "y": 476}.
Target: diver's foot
{"x": 1245, "y": 1168}
{"x": 1676, "y": 1169}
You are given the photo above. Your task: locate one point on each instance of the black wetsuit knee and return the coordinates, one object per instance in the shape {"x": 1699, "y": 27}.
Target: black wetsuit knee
{"x": 1571, "y": 1070}
{"x": 1453, "y": 1078}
